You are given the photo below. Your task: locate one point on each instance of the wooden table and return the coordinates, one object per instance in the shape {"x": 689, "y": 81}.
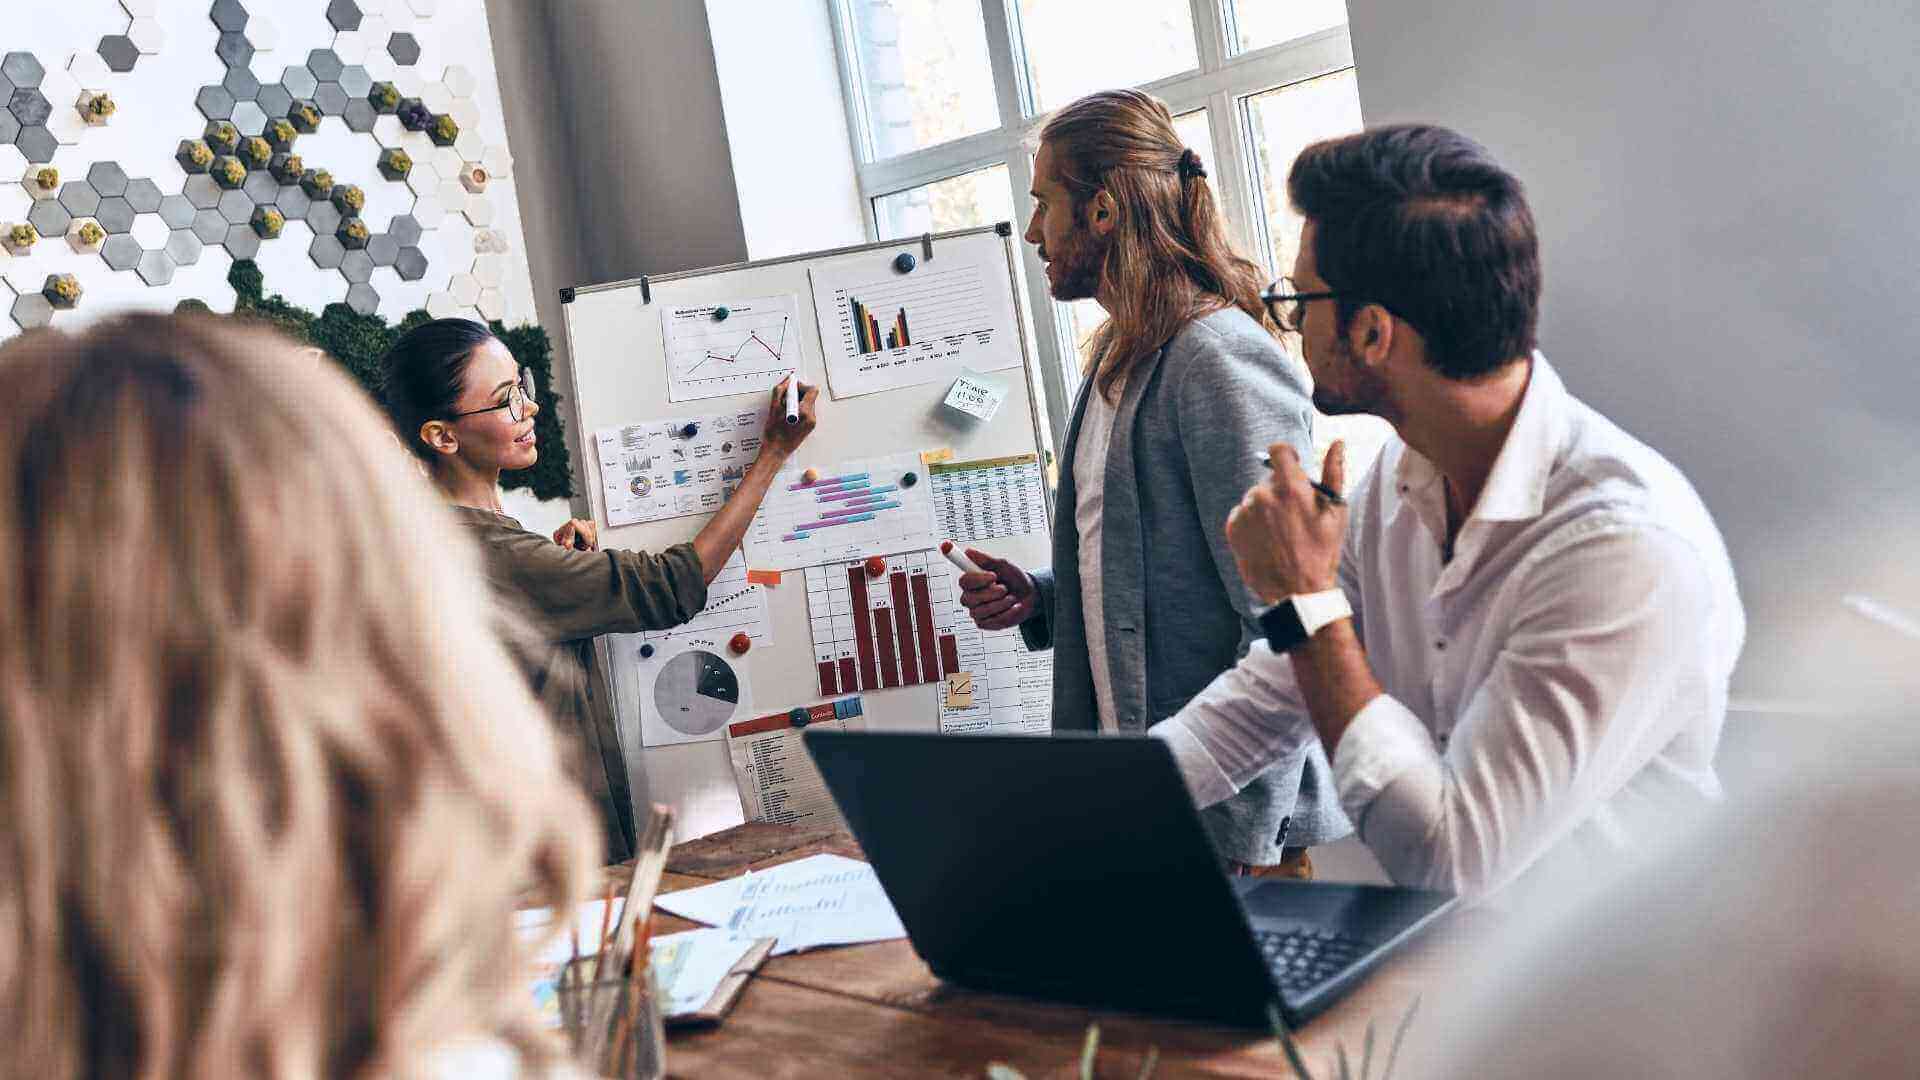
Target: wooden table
{"x": 876, "y": 1010}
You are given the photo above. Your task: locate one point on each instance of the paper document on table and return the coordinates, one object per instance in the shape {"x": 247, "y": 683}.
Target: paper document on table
{"x": 819, "y": 900}
{"x": 734, "y": 605}
{"x": 687, "y": 967}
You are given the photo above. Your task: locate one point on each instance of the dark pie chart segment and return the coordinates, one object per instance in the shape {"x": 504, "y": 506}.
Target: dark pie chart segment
{"x": 696, "y": 693}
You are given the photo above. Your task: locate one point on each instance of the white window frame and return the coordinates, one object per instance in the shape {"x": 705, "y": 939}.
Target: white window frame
{"x": 1220, "y": 83}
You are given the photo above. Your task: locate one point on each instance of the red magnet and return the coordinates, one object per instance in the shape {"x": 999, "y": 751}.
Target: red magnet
{"x": 740, "y": 643}
{"x": 876, "y": 566}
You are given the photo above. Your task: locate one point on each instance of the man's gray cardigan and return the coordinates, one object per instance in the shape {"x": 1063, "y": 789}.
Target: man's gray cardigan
{"x": 1187, "y": 437}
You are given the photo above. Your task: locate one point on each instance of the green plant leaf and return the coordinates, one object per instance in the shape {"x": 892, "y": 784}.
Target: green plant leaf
{"x": 1393, "y": 1054}
{"x": 1285, "y": 1038}
{"x": 1089, "y": 1052}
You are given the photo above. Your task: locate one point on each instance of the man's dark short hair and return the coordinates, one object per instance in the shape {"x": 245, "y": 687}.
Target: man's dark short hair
{"x": 1422, "y": 221}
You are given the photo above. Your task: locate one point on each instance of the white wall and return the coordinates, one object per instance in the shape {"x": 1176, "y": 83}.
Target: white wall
{"x": 786, "y": 126}
{"x": 1725, "y": 195}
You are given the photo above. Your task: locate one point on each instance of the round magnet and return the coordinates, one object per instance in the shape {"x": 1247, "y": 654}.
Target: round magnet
{"x": 811, "y": 476}
{"x": 799, "y": 716}
{"x": 876, "y": 566}
{"x": 909, "y": 479}
{"x": 689, "y": 430}
{"x": 905, "y": 262}
{"x": 720, "y": 313}
{"x": 646, "y": 652}
{"x": 739, "y": 643}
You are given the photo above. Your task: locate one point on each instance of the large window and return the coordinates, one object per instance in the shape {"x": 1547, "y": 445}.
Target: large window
{"x": 946, "y": 97}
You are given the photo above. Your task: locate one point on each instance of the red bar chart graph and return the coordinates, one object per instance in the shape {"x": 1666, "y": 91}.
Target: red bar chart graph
{"x": 876, "y": 633}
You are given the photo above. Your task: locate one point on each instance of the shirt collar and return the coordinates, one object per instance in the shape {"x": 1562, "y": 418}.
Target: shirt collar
{"x": 1516, "y": 489}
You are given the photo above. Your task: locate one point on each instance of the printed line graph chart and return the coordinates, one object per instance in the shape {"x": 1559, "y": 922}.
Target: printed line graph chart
{"x": 884, "y": 330}
{"x": 717, "y": 350}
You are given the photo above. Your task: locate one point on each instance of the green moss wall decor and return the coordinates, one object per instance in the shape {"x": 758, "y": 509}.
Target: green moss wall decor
{"x": 357, "y": 342}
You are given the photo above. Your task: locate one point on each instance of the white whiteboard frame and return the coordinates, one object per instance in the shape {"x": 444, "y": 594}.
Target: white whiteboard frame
{"x": 696, "y": 779}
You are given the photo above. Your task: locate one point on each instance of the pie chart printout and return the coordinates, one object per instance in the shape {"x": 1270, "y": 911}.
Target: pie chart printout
{"x": 696, "y": 693}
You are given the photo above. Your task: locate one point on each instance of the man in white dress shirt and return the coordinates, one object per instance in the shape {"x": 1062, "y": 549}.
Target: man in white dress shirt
{"x": 1516, "y": 634}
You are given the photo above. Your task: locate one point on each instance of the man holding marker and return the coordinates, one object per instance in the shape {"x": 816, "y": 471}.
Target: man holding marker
{"x": 1517, "y": 637}
{"x": 1143, "y": 605}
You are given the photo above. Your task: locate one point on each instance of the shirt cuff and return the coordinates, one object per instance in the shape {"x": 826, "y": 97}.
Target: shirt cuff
{"x": 1206, "y": 781}
{"x": 1383, "y": 740}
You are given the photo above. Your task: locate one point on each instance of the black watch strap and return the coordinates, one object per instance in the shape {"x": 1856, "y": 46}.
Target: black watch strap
{"x": 1285, "y": 631}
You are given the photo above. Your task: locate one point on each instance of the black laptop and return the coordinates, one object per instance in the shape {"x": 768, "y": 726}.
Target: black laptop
{"x": 1075, "y": 867}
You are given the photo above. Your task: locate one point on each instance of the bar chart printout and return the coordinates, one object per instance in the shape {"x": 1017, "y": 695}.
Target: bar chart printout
{"x": 884, "y": 330}
{"x": 848, "y": 511}
{"x": 877, "y": 633}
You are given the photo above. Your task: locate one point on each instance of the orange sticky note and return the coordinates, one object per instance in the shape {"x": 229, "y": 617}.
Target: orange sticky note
{"x": 763, "y": 577}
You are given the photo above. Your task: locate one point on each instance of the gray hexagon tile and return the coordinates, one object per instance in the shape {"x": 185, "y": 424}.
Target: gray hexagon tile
{"x": 155, "y": 267}
{"x": 233, "y": 49}
{"x": 241, "y": 83}
{"x": 383, "y": 249}
{"x": 9, "y": 129}
{"x": 355, "y": 80}
{"x": 215, "y": 102}
{"x": 324, "y": 217}
{"x": 107, "y": 178}
{"x": 262, "y": 188}
{"x": 242, "y": 242}
{"x": 331, "y": 98}
{"x": 177, "y": 212}
{"x": 184, "y": 246}
{"x": 250, "y": 118}
{"x": 410, "y": 264}
{"x": 144, "y": 195}
{"x": 121, "y": 252}
{"x": 119, "y": 52}
{"x": 326, "y": 251}
{"x": 405, "y": 229}
{"x": 202, "y": 192}
{"x": 362, "y": 298}
{"x": 229, "y": 15}
{"x": 298, "y": 81}
{"x": 37, "y": 143}
{"x": 235, "y": 206}
{"x": 344, "y": 14}
{"x": 209, "y": 226}
{"x": 79, "y": 198}
{"x": 22, "y": 69}
{"x": 360, "y": 116}
{"x": 357, "y": 267}
{"x": 294, "y": 202}
{"x": 32, "y": 310}
{"x": 115, "y": 214}
{"x": 49, "y": 217}
{"x": 29, "y": 106}
{"x": 404, "y": 48}
{"x": 274, "y": 100}
{"x": 325, "y": 65}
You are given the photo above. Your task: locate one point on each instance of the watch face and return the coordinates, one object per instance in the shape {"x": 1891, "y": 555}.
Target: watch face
{"x": 1284, "y": 629}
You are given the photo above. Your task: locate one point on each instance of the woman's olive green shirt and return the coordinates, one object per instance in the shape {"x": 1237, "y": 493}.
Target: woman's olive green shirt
{"x": 574, "y": 596}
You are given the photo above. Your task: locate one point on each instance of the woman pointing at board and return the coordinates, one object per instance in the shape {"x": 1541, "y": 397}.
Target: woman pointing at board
{"x": 460, "y": 402}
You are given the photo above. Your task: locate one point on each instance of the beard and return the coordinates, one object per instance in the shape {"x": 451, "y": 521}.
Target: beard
{"x": 1077, "y": 265}
{"x": 1359, "y": 391}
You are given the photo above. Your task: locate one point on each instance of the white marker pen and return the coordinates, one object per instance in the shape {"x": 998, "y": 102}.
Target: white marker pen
{"x": 958, "y": 558}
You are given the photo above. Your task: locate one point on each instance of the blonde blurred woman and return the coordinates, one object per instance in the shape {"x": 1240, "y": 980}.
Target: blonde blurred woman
{"x": 271, "y": 795}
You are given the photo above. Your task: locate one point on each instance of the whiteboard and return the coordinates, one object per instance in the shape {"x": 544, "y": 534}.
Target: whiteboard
{"x": 618, "y": 353}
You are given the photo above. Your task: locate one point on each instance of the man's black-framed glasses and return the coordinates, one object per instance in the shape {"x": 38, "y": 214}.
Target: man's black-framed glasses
{"x": 1288, "y": 305}
{"x": 519, "y": 396}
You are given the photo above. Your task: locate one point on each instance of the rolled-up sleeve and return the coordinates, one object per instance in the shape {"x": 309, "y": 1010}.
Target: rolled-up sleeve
{"x": 1599, "y": 668}
{"x": 580, "y": 594}
{"x": 1247, "y": 718}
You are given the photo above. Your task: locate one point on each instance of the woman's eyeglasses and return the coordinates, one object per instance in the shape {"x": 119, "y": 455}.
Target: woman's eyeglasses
{"x": 519, "y": 396}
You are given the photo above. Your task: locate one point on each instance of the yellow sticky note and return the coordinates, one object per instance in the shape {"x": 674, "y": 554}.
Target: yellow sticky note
{"x": 959, "y": 690}
{"x": 935, "y": 457}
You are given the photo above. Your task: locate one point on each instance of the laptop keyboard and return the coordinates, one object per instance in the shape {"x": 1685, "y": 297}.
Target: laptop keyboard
{"x": 1303, "y": 959}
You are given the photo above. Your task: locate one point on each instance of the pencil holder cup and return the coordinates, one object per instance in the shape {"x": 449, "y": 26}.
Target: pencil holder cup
{"x": 612, "y": 1024}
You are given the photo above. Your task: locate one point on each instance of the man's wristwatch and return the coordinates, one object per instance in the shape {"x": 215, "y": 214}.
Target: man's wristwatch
{"x": 1292, "y": 621}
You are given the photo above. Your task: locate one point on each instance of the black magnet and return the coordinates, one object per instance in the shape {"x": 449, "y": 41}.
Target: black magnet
{"x": 909, "y": 479}
{"x": 905, "y": 262}
{"x": 720, "y": 313}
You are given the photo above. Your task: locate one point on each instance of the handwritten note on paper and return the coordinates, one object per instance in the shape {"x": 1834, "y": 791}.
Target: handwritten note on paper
{"x": 815, "y": 901}
{"x": 976, "y": 396}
